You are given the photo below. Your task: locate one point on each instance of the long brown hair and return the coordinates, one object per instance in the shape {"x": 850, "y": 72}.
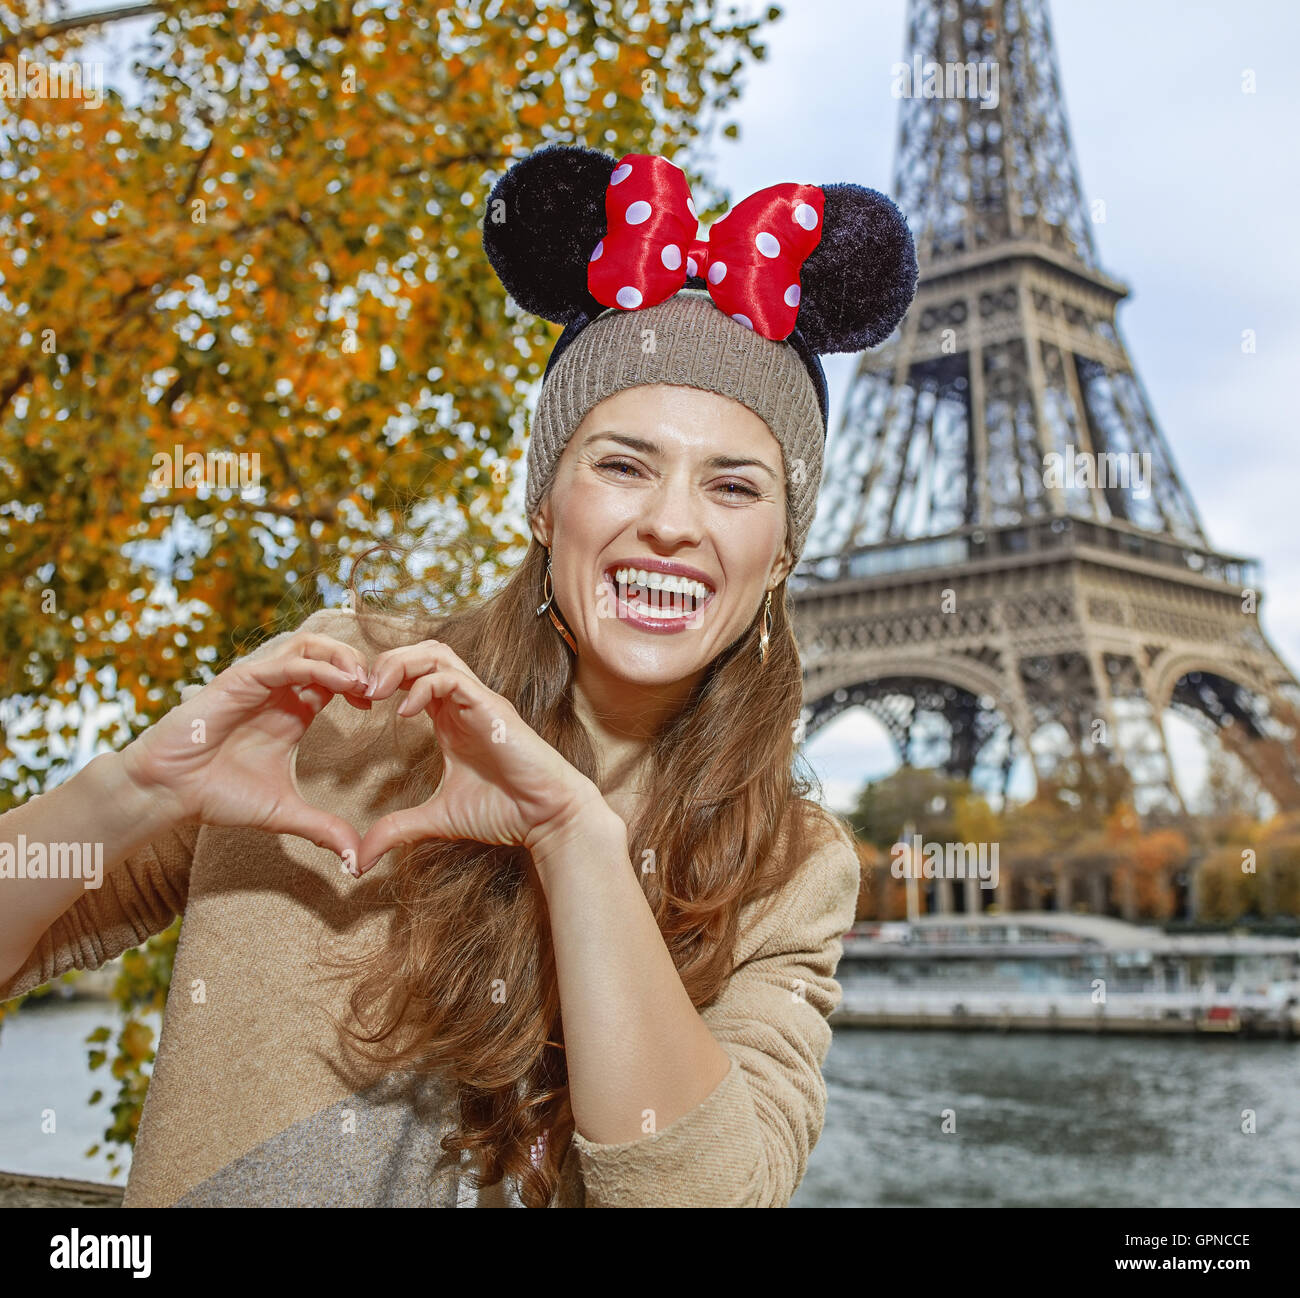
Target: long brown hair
{"x": 466, "y": 988}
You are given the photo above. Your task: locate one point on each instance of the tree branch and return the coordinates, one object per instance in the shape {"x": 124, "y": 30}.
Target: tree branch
{"x": 325, "y": 514}
{"x": 198, "y": 171}
{"x": 11, "y": 389}
{"x": 100, "y": 17}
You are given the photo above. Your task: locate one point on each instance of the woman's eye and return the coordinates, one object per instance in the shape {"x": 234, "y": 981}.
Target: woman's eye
{"x": 731, "y": 488}
{"x": 617, "y": 464}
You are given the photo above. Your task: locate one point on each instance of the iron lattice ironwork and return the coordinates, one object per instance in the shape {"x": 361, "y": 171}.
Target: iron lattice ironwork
{"x": 1005, "y": 558}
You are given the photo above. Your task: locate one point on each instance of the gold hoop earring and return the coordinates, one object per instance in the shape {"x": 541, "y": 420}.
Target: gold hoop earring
{"x": 548, "y": 592}
{"x": 765, "y": 631}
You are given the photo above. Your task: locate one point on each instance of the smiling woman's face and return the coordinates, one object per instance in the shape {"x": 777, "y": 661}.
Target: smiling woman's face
{"x": 667, "y": 522}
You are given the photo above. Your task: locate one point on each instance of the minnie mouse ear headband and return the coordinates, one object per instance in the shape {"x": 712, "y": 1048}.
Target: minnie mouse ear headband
{"x": 609, "y": 248}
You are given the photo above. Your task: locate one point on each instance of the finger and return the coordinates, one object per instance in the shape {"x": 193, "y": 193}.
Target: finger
{"x": 401, "y": 673}
{"x": 302, "y": 704}
{"x": 316, "y": 697}
{"x": 326, "y": 649}
{"x": 294, "y": 816}
{"x": 274, "y": 673}
{"x": 439, "y": 684}
{"x": 448, "y": 654}
{"x": 410, "y": 825}
{"x": 310, "y": 692}
{"x": 415, "y": 660}
{"x": 396, "y": 668}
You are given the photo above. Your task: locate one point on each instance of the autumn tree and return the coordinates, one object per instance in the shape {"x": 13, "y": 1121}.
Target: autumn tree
{"x": 1056, "y": 841}
{"x": 922, "y": 796}
{"x": 1144, "y": 876}
{"x": 247, "y": 327}
{"x": 1226, "y": 885}
{"x": 940, "y": 808}
{"x": 1230, "y": 794}
{"x": 1280, "y": 876}
{"x": 880, "y": 895}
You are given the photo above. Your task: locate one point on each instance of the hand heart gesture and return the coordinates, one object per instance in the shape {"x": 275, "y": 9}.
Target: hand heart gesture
{"x": 502, "y": 782}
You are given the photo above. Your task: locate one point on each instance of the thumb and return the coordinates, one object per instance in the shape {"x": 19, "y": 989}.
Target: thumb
{"x": 320, "y": 827}
{"x": 410, "y": 825}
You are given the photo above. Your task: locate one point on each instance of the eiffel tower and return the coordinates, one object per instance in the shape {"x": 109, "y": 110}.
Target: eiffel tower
{"x": 1006, "y": 560}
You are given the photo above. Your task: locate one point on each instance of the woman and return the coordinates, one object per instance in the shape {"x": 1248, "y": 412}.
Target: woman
{"x": 588, "y": 951}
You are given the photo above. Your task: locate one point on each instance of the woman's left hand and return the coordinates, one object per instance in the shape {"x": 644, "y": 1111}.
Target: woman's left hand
{"x": 502, "y": 782}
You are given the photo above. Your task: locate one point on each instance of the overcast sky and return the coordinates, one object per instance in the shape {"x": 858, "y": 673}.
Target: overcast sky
{"x": 1201, "y": 192}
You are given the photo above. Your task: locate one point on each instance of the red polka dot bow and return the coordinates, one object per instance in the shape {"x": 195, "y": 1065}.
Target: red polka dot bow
{"x": 750, "y": 262}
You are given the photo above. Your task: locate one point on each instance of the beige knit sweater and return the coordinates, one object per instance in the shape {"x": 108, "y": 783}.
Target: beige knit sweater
{"x": 250, "y": 1102}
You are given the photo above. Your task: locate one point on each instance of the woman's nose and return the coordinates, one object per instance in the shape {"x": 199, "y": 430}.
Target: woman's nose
{"x": 672, "y": 511}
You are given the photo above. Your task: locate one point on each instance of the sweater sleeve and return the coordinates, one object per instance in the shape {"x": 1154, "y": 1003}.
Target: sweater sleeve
{"x": 747, "y": 1144}
{"x": 138, "y": 898}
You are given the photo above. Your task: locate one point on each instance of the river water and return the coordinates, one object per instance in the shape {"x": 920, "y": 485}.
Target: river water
{"x": 44, "y": 1066}
{"x": 1057, "y": 1121}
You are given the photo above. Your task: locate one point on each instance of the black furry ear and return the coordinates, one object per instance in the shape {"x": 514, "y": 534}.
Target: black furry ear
{"x": 861, "y": 277}
{"x": 543, "y": 218}
{"x": 547, "y": 213}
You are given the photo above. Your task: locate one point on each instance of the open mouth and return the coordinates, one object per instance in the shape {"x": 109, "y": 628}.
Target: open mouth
{"x": 658, "y": 598}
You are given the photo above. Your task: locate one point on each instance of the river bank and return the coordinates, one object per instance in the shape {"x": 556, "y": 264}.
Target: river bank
{"x": 18, "y": 1190}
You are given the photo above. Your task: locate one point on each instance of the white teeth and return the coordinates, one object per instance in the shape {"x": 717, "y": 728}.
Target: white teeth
{"x": 667, "y": 611}
{"x": 662, "y": 581}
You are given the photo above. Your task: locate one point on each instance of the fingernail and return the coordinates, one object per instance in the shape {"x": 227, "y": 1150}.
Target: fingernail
{"x": 371, "y": 684}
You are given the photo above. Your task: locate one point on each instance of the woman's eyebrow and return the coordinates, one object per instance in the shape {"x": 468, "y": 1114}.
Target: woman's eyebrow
{"x": 653, "y": 448}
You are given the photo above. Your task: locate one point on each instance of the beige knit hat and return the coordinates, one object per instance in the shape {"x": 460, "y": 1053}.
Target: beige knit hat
{"x": 688, "y": 341}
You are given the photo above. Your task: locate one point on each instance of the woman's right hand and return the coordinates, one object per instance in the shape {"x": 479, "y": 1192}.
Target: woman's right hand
{"x": 225, "y": 755}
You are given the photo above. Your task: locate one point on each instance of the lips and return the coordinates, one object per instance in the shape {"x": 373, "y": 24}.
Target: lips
{"x": 654, "y": 600}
